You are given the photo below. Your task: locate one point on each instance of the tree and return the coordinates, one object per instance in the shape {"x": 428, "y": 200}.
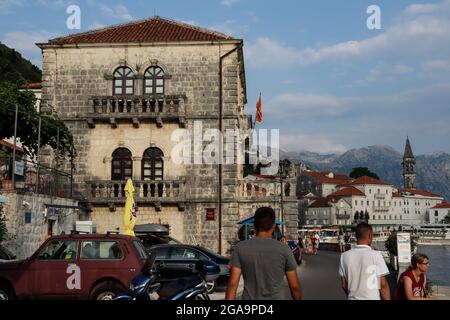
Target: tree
{"x": 447, "y": 219}
{"x": 28, "y": 122}
{"x": 361, "y": 172}
{"x": 391, "y": 244}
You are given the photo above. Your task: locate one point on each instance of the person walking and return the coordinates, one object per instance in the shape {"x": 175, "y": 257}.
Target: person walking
{"x": 363, "y": 270}
{"x": 412, "y": 282}
{"x": 341, "y": 242}
{"x": 316, "y": 242}
{"x": 263, "y": 263}
{"x": 300, "y": 248}
{"x": 309, "y": 245}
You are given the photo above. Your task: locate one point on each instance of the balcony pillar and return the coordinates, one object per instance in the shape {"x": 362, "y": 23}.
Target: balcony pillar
{"x": 137, "y": 168}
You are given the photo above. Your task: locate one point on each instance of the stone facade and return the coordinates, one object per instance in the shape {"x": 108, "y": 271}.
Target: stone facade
{"x": 78, "y": 83}
{"x": 30, "y": 218}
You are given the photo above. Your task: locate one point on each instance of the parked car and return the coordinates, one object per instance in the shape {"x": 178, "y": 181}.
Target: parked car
{"x": 93, "y": 266}
{"x": 5, "y": 255}
{"x": 172, "y": 256}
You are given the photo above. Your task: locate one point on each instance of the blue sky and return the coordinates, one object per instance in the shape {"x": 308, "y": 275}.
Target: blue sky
{"x": 328, "y": 82}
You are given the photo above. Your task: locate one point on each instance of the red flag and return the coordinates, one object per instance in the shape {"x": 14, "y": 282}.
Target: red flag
{"x": 259, "y": 111}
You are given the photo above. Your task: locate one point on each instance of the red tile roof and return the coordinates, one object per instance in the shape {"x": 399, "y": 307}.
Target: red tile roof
{"x": 443, "y": 205}
{"x": 420, "y": 193}
{"x": 348, "y": 192}
{"x": 329, "y": 177}
{"x": 11, "y": 146}
{"x": 368, "y": 180}
{"x": 154, "y": 29}
{"x": 320, "y": 203}
{"x": 396, "y": 195}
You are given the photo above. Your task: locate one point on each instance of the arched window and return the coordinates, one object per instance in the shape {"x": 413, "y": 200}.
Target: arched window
{"x": 154, "y": 81}
{"x": 122, "y": 165}
{"x": 123, "y": 81}
{"x": 153, "y": 164}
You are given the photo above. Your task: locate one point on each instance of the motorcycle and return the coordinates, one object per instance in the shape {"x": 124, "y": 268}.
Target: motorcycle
{"x": 147, "y": 285}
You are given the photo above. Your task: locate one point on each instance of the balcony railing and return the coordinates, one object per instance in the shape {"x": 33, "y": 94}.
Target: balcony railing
{"x": 136, "y": 109}
{"x": 380, "y": 196}
{"x": 343, "y": 216}
{"x": 148, "y": 191}
{"x": 381, "y": 208}
{"x": 257, "y": 188}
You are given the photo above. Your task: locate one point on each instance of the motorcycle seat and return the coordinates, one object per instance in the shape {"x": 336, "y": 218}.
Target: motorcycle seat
{"x": 172, "y": 288}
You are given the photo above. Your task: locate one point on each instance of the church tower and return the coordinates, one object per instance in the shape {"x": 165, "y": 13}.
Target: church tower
{"x": 409, "y": 167}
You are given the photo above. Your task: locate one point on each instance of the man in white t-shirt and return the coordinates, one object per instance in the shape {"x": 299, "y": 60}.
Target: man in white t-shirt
{"x": 363, "y": 270}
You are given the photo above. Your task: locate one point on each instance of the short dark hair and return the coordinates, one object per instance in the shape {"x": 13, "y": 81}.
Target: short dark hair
{"x": 264, "y": 219}
{"x": 363, "y": 230}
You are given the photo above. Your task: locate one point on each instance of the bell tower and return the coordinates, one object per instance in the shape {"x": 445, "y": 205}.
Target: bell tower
{"x": 409, "y": 167}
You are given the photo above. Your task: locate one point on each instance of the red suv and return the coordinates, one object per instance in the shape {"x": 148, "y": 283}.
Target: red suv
{"x": 92, "y": 266}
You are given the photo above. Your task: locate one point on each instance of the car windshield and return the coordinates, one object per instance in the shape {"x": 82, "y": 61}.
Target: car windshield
{"x": 140, "y": 249}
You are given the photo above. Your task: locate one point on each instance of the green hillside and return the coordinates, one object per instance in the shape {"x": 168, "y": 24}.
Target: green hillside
{"x": 13, "y": 67}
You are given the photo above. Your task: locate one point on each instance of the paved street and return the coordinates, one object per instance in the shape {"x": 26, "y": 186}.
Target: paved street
{"x": 318, "y": 277}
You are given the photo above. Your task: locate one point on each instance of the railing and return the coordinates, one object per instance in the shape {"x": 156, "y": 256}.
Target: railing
{"x": 51, "y": 182}
{"x": 136, "y": 108}
{"x": 381, "y": 208}
{"x": 263, "y": 189}
{"x": 343, "y": 216}
{"x": 380, "y": 196}
{"x": 149, "y": 190}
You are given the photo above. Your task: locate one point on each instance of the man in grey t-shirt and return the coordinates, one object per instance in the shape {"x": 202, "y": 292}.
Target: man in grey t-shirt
{"x": 263, "y": 263}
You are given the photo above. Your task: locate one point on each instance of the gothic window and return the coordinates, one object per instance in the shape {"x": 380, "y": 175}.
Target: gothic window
{"x": 123, "y": 81}
{"x": 154, "y": 81}
{"x": 153, "y": 164}
{"x": 122, "y": 165}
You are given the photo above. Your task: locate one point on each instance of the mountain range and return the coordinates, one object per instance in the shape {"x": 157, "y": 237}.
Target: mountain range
{"x": 433, "y": 171}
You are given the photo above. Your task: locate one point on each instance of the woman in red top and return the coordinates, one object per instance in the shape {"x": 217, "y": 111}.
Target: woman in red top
{"x": 412, "y": 282}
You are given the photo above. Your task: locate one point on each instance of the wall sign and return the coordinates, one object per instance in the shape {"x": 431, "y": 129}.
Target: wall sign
{"x": 210, "y": 214}
{"x": 404, "y": 248}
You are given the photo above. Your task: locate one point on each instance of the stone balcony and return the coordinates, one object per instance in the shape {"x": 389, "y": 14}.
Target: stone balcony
{"x": 381, "y": 208}
{"x": 343, "y": 216}
{"x": 260, "y": 189}
{"x": 135, "y": 109}
{"x": 112, "y": 193}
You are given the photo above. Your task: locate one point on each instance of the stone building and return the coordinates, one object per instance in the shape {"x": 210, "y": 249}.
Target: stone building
{"x": 125, "y": 91}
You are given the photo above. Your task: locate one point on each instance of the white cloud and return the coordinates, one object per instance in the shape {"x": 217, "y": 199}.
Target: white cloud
{"x": 119, "y": 11}
{"x": 25, "y": 43}
{"x": 230, "y": 27}
{"x": 7, "y": 5}
{"x": 320, "y": 143}
{"x": 229, "y": 3}
{"x": 421, "y": 8}
{"x": 97, "y": 25}
{"x": 436, "y": 66}
{"x": 408, "y": 38}
{"x": 190, "y": 22}
{"x": 57, "y": 3}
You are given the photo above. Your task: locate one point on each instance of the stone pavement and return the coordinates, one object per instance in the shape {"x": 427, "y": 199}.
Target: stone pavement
{"x": 318, "y": 277}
